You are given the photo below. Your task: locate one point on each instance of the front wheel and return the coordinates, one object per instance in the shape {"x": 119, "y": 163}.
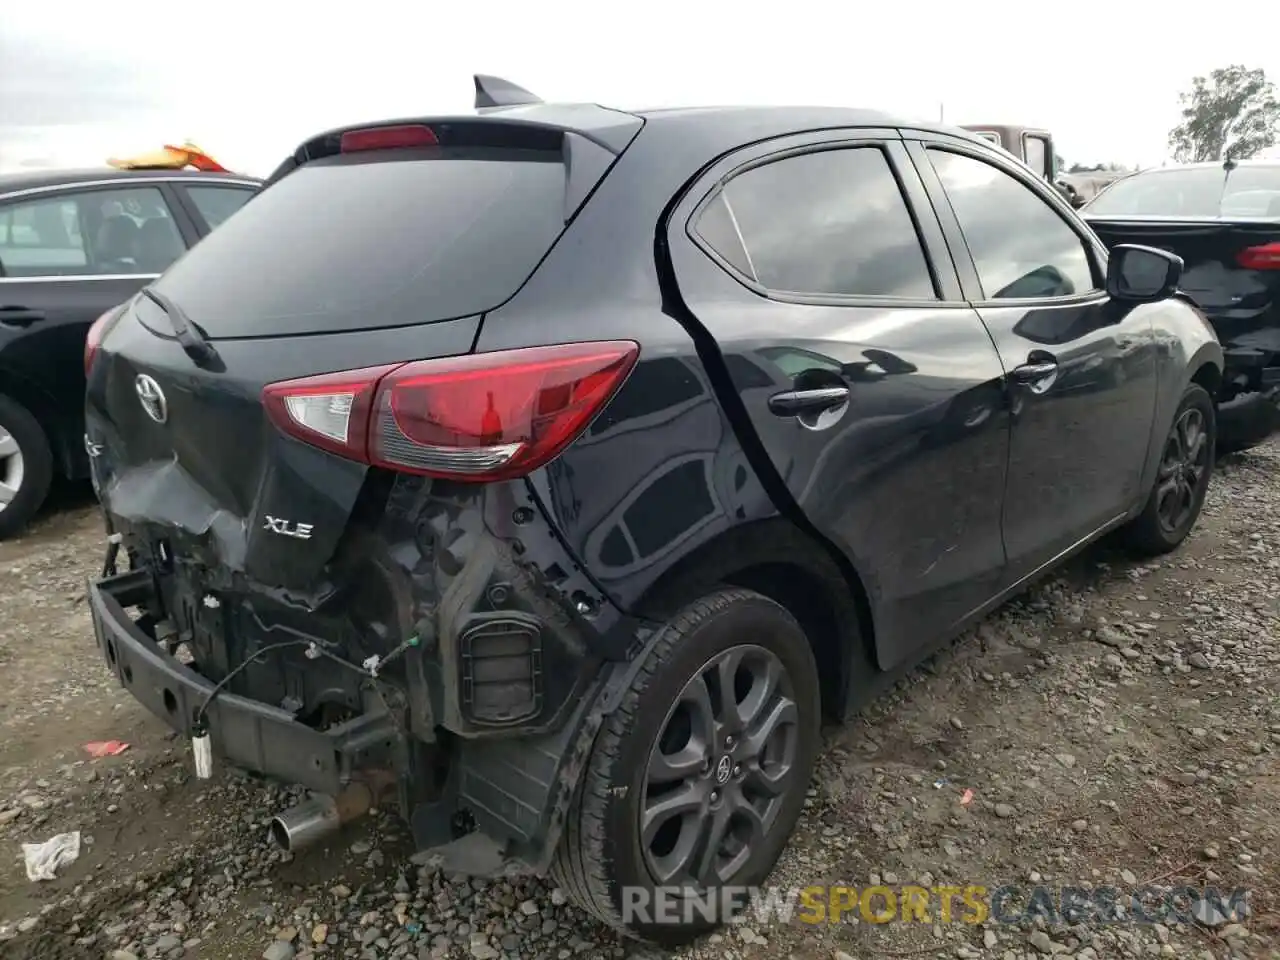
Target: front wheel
{"x": 696, "y": 780}
{"x": 1182, "y": 479}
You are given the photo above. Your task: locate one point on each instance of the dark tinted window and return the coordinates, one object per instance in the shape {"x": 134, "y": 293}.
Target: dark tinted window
{"x": 1193, "y": 192}
{"x": 351, "y": 243}
{"x": 217, "y": 203}
{"x": 1020, "y": 245}
{"x": 828, "y": 223}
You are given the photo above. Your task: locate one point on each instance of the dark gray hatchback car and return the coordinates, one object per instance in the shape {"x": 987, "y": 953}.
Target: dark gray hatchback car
{"x": 553, "y": 470}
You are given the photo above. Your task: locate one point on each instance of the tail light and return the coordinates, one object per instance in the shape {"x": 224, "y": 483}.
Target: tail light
{"x": 1265, "y": 257}
{"x": 94, "y": 339}
{"x": 399, "y": 137}
{"x": 479, "y": 417}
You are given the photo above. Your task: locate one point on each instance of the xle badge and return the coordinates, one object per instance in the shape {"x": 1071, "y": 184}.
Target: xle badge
{"x": 299, "y": 531}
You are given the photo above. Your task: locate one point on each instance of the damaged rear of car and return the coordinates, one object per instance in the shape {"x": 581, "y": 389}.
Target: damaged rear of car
{"x": 554, "y": 471}
{"x": 339, "y": 575}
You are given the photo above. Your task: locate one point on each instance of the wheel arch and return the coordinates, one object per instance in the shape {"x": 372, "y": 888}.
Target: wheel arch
{"x": 1197, "y": 359}
{"x": 1209, "y": 375}
{"x": 775, "y": 558}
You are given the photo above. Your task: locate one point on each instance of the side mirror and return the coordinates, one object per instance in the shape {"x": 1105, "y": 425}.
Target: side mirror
{"x": 1142, "y": 274}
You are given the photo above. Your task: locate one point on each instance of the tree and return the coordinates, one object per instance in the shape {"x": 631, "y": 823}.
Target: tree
{"x": 1233, "y": 114}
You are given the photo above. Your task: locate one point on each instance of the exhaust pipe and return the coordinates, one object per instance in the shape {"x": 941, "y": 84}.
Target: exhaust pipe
{"x": 319, "y": 816}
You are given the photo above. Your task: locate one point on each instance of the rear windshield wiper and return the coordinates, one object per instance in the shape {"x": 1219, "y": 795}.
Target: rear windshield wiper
{"x": 193, "y": 343}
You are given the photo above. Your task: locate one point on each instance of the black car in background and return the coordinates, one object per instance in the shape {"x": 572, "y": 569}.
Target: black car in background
{"x": 562, "y": 483}
{"x": 1223, "y": 219}
{"x": 74, "y": 244}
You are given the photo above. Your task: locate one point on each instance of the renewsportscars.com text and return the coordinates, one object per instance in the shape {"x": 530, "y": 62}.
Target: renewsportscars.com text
{"x": 970, "y": 904}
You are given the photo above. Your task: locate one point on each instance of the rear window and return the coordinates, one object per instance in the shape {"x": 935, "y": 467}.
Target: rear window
{"x": 352, "y": 243}
{"x": 1193, "y": 192}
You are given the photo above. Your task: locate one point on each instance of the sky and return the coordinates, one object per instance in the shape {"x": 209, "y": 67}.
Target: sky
{"x": 81, "y": 81}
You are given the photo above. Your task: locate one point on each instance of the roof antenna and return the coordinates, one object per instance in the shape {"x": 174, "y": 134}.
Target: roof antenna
{"x": 496, "y": 92}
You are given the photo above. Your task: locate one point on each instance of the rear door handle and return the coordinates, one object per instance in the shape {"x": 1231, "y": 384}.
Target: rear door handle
{"x": 1038, "y": 374}
{"x": 793, "y": 403}
{"x": 20, "y": 316}
{"x": 1033, "y": 373}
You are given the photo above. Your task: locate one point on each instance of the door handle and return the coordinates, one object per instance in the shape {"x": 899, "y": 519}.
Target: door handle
{"x": 794, "y": 403}
{"x": 19, "y": 316}
{"x": 1033, "y": 373}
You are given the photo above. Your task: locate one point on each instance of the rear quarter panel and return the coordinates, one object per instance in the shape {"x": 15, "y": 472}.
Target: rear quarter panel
{"x": 660, "y": 473}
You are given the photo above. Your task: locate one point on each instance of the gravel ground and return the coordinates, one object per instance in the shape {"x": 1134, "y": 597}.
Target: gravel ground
{"x": 1120, "y": 725}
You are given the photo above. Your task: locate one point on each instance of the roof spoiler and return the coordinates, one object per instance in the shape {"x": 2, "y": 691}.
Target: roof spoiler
{"x": 611, "y": 130}
{"x": 494, "y": 92}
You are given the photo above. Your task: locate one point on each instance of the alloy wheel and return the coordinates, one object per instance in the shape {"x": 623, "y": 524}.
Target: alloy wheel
{"x": 11, "y": 468}
{"x": 1183, "y": 469}
{"x": 720, "y": 770}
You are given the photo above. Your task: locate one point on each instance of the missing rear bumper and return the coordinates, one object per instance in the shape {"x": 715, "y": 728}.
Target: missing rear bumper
{"x": 499, "y": 809}
{"x": 248, "y": 733}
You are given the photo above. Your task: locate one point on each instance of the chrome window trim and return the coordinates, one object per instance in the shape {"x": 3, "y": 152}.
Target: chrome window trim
{"x": 76, "y": 186}
{"x": 80, "y": 278}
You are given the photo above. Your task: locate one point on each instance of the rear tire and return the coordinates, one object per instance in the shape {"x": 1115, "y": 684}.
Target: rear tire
{"x": 1182, "y": 479}
{"x": 26, "y": 467}
{"x": 655, "y": 732}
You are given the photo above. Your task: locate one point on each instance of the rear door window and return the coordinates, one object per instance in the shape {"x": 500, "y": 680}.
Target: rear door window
{"x": 360, "y": 242}
{"x": 215, "y": 204}
{"x": 95, "y": 232}
{"x": 832, "y": 223}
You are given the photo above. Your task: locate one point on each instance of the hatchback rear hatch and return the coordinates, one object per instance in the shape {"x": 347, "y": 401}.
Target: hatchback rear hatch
{"x": 1224, "y": 221}
{"x": 370, "y": 249}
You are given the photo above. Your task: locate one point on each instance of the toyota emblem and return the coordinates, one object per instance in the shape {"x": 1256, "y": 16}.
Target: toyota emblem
{"x": 152, "y": 398}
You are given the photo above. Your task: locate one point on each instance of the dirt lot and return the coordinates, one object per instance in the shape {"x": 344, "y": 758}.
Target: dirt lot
{"x": 1118, "y": 726}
